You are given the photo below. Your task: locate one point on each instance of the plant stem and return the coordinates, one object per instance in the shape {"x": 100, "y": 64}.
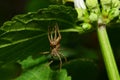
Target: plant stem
{"x": 107, "y": 53}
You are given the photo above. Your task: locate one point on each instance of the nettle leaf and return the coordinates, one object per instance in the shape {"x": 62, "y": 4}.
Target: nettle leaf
{"x": 31, "y": 62}
{"x": 26, "y": 34}
{"x": 43, "y": 72}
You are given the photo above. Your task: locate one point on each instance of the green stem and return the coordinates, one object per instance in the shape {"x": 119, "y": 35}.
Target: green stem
{"x": 107, "y": 53}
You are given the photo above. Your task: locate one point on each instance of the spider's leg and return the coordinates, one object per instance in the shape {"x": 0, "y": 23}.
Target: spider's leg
{"x": 49, "y": 62}
{"x": 57, "y": 54}
{"x": 55, "y": 36}
{"x": 44, "y": 52}
{"x": 59, "y": 35}
{"x": 49, "y": 33}
{"x": 64, "y": 57}
{"x": 50, "y": 37}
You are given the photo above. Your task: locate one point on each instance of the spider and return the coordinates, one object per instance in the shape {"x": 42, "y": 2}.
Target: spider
{"x": 54, "y": 37}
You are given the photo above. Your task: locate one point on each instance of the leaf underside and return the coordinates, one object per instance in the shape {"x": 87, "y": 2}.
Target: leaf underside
{"x": 26, "y": 34}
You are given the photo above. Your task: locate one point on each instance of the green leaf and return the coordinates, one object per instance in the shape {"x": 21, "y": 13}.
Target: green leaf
{"x": 37, "y": 4}
{"x": 43, "y": 72}
{"x": 31, "y": 62}
{"x": 60, "y": 75}
{"x": 26, "y": 34}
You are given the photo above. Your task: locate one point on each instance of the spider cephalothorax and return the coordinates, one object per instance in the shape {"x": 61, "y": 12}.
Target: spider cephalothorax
{"x": 54, "y": 37}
